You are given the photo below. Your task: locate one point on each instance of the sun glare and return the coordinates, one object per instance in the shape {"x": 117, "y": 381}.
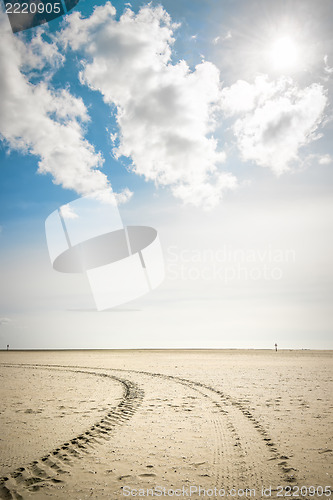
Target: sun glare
{"x": 284, "y": 54}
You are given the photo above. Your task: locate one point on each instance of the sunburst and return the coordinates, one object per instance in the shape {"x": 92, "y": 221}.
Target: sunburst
{"x": 284, "y": 54}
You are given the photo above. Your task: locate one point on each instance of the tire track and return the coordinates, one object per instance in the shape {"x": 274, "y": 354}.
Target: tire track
{"x": 246, "y": 437}
{"x": 240, "y": 437}
{"x": 53, "y": 467}
{"x": 252, "y": 440}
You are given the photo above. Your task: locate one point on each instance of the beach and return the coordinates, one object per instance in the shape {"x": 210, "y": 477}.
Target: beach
{"x": 184, "y": 423}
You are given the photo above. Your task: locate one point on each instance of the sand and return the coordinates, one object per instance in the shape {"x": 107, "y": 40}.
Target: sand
{"x": 114, "y": 424}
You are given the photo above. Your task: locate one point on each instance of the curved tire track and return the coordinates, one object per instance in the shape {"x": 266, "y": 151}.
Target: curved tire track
{"x": 240, "y": 437}
{"x": 54, "y": 465}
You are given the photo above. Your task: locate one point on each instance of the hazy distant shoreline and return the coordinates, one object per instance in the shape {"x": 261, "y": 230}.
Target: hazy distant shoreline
{"x": 286, "y": 349}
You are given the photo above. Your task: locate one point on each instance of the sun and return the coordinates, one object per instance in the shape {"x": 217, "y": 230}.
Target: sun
{"x": 284, "y": 54}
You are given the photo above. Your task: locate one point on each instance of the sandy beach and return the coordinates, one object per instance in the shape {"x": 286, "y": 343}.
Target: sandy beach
{"x": 196, "y": 423}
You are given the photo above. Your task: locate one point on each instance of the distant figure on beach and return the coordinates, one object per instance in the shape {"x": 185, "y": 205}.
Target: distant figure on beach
{"x": 275, "y": 347}
{"x": 7, "y": 347}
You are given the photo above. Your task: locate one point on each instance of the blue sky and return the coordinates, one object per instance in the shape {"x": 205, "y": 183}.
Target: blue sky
{"x": 212, "y": 123}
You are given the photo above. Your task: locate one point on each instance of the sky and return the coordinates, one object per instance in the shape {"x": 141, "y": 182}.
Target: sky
{"x": 210, "y": 121}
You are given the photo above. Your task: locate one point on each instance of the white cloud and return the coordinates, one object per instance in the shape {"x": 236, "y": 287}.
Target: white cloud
{"x": 328, "y": 69}
{"x": 274, "y": 119}
{"x": 39, "y": 120}
{"x": 67, "y": 212}
{"x": 242, "y": 96}
{"x": 325, "y": 159}
{"x": 205, "y": 193}
{"x": 124, "y": 196}
{"x": 218, "y": 39}
{"x": 165, "y": 111}
{"x": 38, "y": 54}
{"x": 4, "y": 321}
